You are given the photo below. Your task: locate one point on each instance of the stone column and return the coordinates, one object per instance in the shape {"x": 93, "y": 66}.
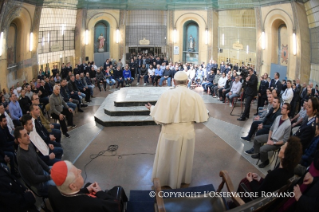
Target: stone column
{"x": 214, "y": 36}
{"x": 80, "y": 28}
{"x": 259, "y": 30}
{"x": 303, "y": 43}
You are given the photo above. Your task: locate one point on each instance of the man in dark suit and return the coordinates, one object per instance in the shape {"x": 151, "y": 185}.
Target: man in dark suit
{"x": 262, "y": 95}
{"x": 276, "y": 84}
{"x": 250, "y": 92}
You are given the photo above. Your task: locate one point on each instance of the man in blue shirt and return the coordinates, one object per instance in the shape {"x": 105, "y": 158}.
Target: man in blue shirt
{"x": 128, "y": 79}
{"x": 15, "y": 110}
{"x": 158, "y": 74}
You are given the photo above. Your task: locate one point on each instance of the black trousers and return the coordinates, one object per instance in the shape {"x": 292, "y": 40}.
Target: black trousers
{"x": 87, "y": 94}
{"x": 69, "y": 118}
{"x": 156, "y": 78}
{"x": 254, "y": 127}
{"x": 261, "y": 101}
{"x": 247, "y": 105}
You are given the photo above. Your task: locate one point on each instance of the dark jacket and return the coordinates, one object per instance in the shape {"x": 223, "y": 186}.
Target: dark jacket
{"x": 118, "y": 74}
{"x": 92, "y": 73}
{"x": 25, "y": 104}
{"x": 72, "y": 86}
{"x": 45, "y": 92}
{"x": 99, "y": 76}
{"x": 263, "y": 88}
{"x": 306, "y": 132}
{"x": 14, "y": 195}
{"x": 167, "y": 73}
{"x": 277, "y": 86}
{"x": 210, "y": 77}
{"x": 251, "y": 86}
{"x": 54, "y": 72}
{"x": 143, "y": 71}
{"x": 228, "y": 85}
{"x": 65, "y": 93}
{"x": 6, "y": 140}
{"x": 80, "y": 84}
{"x": 88, "y": 80}
{"x": 82, "y": 68}
{"x": 76, "y": 71}
{"x": 270, "y": 118}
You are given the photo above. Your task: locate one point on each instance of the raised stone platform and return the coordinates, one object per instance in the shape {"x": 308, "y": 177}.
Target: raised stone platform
{"x": 125, "y": 107}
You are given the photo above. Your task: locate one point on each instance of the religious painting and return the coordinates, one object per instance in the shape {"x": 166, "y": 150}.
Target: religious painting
{"x": 282, "y": 47}
{"x": 190, "y": 42}
{"x": 101, "y": 37}
{"x": 284, "y": 53}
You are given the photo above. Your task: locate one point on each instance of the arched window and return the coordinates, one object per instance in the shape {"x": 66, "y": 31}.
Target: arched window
{"x": 190, "y": 42}
{"x": 12, "y": 44}
{"x": 101, "y": 36}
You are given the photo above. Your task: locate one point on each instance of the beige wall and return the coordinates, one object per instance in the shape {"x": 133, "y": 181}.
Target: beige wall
{"x": 200, "y": 17}
{"x": 232, "y": 23}
{"x": 23, "y": 20}
{"x": 112, "y": 17}
{"x": 272, "y": 18}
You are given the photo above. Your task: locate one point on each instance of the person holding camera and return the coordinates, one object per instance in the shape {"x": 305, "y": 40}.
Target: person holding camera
{"x": 250, "y": 92}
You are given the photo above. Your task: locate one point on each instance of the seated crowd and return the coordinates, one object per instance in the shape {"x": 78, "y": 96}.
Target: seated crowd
{"x": 30, "y": 143}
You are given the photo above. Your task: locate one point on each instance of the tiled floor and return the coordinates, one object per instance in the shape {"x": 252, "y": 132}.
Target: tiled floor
{"x": 218, "y": 147}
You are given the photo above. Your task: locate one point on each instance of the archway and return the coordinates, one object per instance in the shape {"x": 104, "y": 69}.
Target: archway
{"x": 279, "y": 48}
{"x": 102, "y": 36}
{"x": 12, "y": 44}
{"x": 190, "y": 42}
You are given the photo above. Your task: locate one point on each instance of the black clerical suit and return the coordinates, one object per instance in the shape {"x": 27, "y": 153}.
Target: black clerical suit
{"x": 250, "y": 93}
{"x": 105, "y": 201}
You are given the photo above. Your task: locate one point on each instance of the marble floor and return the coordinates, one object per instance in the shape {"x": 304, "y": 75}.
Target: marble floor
{"x": 218, "y": 147}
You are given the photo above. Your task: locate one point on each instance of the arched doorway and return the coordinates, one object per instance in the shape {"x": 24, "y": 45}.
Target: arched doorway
{"x": 279, "y": 48}
{"x": 101, "y": 36}
{"x": 12, "y": 44}
{"x": 190, "y": 42}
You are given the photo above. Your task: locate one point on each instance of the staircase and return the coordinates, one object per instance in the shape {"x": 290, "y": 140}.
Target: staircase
{"x": 125, "y": 107}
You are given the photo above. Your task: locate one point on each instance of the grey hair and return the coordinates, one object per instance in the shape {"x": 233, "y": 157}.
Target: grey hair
{"x": 56, "y": 86}
{"x": 70, "y": 177}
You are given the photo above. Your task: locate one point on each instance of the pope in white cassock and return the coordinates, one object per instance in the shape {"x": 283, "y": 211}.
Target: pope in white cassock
{"x": 176, "y": 110}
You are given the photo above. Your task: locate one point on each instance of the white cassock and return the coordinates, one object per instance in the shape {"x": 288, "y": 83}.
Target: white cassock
{"x": 176, "y": 110}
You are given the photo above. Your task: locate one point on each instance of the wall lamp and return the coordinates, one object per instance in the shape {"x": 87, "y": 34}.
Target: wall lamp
{"x": 117, "y": 35}
{"x": 31, "y": 41}
{"x": 86, "y": 37}
{"x": 174, "y": 35}
{"x": 263, "y": 41}
{"x": 294, "y": 49}
{"x": 1, "y": 43}
{"x": 206, "y": 36}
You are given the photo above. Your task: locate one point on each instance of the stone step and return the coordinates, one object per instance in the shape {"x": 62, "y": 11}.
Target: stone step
{"x": 130, "y": 103}
{"x": 109, "y": 121}
{"x": 126, "y": 111}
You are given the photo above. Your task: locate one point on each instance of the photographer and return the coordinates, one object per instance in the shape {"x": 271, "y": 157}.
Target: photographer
{"x": 250, "y": 92}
